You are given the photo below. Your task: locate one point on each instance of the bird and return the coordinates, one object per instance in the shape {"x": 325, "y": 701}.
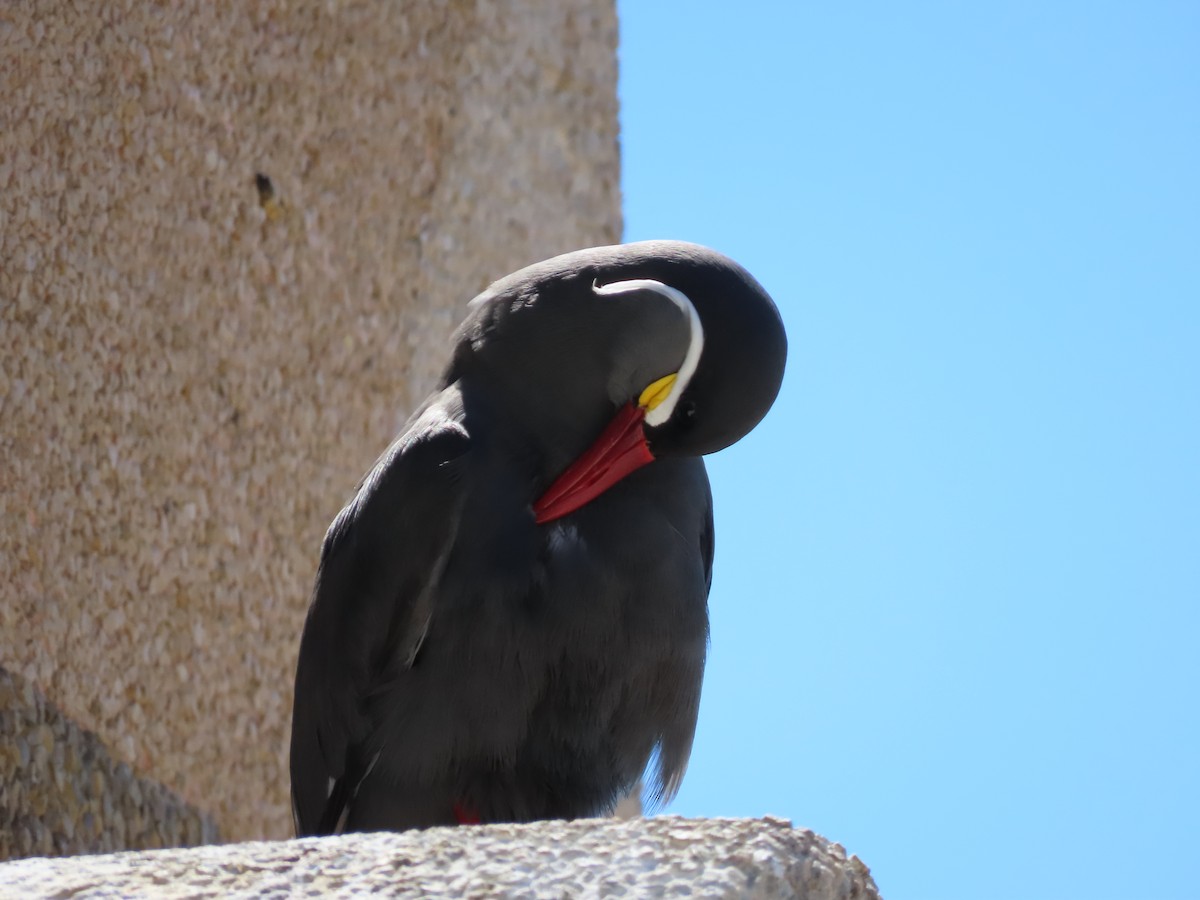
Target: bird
{"x": 510, "y": 616}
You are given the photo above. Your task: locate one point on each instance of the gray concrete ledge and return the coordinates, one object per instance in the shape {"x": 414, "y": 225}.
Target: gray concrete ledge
{"x": 659, "y": 857}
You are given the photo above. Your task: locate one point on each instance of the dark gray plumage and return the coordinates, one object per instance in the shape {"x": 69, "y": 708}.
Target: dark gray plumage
{"x": 460, "y": 661}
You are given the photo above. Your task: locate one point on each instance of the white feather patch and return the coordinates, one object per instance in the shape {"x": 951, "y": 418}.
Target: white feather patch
{"x": 691, "y": 359}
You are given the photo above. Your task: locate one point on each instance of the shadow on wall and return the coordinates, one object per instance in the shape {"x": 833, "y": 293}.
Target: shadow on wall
{"x": 72, "y": 797}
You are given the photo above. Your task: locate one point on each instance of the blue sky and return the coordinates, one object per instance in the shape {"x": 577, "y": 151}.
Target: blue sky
{"x": 955, "y": 613}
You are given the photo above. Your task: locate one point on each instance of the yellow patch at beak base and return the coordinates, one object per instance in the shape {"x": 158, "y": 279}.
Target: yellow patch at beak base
{"x": 657, "y": 392}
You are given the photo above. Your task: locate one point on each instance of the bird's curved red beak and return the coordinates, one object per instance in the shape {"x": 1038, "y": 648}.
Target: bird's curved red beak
{"x": 620, "y": 450}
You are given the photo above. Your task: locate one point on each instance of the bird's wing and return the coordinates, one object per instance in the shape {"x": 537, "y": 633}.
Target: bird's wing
{"x": 678, "y": 692}
{"x": 708, "y": 544}
{"x": 371, "y": 606}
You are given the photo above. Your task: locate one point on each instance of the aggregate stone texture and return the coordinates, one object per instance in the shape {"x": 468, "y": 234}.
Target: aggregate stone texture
{"x": 234, "y": 238}
{"x": 638, "y": 858}
{"x": 61, "y": 792}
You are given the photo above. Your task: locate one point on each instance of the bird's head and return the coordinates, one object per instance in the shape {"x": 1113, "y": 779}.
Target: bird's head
{"x": 661, "y": 348}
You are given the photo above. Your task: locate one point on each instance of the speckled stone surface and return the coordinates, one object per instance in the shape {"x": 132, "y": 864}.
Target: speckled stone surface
{"x": 195, "y": 367}
{"x": 639, "y": 858}
{"x": 62, "y": 793}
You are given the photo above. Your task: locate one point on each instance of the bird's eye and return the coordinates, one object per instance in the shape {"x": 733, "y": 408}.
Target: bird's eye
{"x": 687, "y": 409}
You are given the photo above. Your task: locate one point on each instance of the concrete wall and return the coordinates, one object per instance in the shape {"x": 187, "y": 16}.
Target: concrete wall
{"x": 195, "y": 368}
